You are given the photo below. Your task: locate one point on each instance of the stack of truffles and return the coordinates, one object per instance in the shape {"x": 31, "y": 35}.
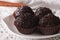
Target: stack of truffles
{"x": 27, "y": 22}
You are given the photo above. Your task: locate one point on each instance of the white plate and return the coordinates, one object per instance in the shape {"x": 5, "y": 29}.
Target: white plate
{"x": 10, "y": 23}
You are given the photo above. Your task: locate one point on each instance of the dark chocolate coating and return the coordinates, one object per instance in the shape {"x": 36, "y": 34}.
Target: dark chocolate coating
{"x": 23, "y": 10}
{"x": 24, "y": 30}
{"x": 27, "y": 23}
{"x": 41, "y": 11}
{"x": 49, "y": 19}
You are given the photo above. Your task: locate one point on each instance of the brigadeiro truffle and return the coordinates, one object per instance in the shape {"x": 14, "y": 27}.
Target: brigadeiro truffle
{"x": 25, "y": 20}
{"x": 48, "y": 23}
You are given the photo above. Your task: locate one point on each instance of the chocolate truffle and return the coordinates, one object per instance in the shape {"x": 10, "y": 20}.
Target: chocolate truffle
{"x": 25, "y": 20}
